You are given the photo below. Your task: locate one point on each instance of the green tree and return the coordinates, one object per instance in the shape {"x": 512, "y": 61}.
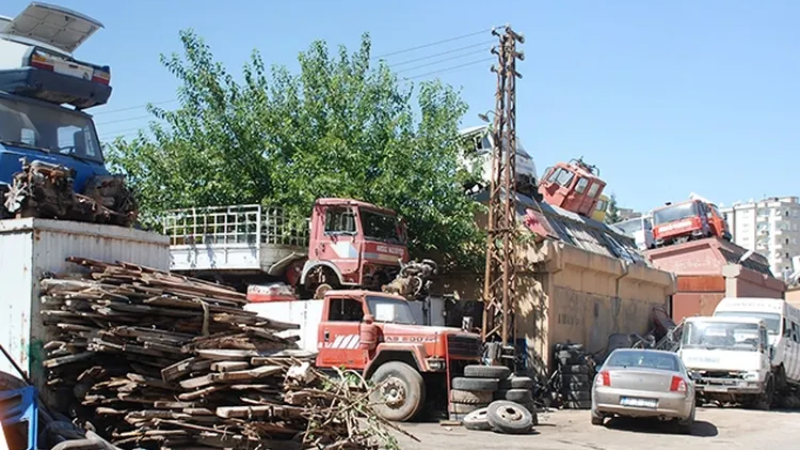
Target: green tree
{"x": 341, "y": 127}
{"x": 612, "y": 213}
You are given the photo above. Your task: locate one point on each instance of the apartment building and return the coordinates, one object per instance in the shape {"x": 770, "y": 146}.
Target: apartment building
{"x": 771, "y": 227}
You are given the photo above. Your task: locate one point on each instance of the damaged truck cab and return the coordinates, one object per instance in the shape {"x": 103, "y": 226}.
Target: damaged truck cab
{"x": 376, "y": 334}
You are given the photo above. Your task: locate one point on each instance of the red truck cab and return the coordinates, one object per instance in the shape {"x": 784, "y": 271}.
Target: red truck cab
{"x": 352, "y": 244}
{"x": 375, "y": 333}
{"x": 689, "y": 220}
{"x": 574, "y": 186}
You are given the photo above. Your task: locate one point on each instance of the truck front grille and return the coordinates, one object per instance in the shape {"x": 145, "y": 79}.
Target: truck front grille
{"x": 463, "y": 346}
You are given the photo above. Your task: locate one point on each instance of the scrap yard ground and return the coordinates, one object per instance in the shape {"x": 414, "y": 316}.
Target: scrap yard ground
{"x": 715, "y": 428}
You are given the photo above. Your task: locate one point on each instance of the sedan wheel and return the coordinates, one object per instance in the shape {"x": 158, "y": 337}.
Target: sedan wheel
{"x": 597, "y": 418}
{"x": 685, "y": 425}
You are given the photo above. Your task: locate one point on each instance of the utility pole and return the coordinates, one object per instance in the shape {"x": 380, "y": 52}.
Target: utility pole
{"x": 499, "y": 291}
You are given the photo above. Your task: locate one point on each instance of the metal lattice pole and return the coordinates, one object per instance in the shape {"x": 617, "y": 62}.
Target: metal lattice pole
{"x": 500, "y": 280}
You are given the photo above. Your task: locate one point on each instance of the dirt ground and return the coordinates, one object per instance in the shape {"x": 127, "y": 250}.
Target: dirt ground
{"x": 715, "y": 428}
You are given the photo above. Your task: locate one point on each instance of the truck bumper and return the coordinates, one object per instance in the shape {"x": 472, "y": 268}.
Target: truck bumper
{"x": 712, "y": 387}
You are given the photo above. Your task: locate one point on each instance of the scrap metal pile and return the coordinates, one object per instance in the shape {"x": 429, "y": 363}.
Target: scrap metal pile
{"x": 154, "y": 360}
{"x": 46, "y": 191}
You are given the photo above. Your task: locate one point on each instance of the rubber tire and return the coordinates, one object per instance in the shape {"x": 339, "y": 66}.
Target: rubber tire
{"x": 685, "y": 426}
{"x": 581, "y": 404}
{"x": 578, "y": 395}
{"x": 577, "y": 386}
{"x": 764, "y": 401}
{"x": 476, "y": 371}
{"x": 575, "y": 369}
{"x": 574, "y": 377}
{"x": 413, "y": 384}
{"x": 597, "y": 419}
{"x": 477, "y": 420}
{"x": 471, "y": 397}
{"x": 521, "y": 396}
{"x": 498, "y": 417}
{"x": 521, "y": 383}
{"x": 465, "y": 408}
{"x": 474, "y": 384}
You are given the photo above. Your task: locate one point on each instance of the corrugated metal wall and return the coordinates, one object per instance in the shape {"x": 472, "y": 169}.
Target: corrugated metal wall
{"x": 29, "y": 248}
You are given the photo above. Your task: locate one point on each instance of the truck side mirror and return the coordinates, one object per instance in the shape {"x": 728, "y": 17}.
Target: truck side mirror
{"x": 694, "y": 376}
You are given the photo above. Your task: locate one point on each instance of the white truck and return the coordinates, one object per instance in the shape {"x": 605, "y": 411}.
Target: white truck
{"x": 746, "y": 352}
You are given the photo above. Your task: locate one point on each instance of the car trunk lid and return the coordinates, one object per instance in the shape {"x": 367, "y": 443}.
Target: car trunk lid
{"x": 53, "y": 25}
{"x": 641, "y": 379}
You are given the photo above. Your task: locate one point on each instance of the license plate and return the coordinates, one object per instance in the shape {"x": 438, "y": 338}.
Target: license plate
{"x": 72, "y": 70}
{"x": 716, "y": 388}
{"x": 638, "y": 402}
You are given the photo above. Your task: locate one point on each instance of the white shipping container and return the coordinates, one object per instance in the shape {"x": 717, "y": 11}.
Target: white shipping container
{"x": 30, "y": 248}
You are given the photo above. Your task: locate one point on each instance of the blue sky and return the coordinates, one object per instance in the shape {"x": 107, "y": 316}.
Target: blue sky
{"x": 667, "y": 97}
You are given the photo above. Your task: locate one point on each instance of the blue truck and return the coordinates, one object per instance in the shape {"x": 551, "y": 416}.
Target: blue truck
{"x": 51, "y": 160}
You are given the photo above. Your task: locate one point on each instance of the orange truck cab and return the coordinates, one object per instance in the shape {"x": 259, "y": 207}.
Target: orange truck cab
{"x": 690, "y": 220}
{"x": 574, "y": 186}
{"x": 376, "y": 334}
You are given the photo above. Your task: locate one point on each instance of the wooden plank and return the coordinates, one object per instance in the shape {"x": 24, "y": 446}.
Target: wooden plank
{"x": 229, "y": 366}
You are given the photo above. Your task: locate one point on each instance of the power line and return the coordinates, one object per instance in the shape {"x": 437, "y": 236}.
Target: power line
{"x": 124, "y": 120}
{"x": 449, "y": 69}
{"x": 443, "y": 41}
{"x": 134, "y": 107}
{"x": 442, "y": 53}
{"x": 422, "y": 66}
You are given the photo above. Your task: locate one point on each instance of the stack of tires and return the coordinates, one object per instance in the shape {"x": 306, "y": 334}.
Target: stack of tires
{"x": 576, "y": 376}
{"x": 475, "y": 390}
{"x": 518, "y": 390}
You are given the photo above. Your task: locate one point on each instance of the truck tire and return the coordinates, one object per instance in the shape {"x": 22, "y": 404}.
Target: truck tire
{"x": 402, "y": 394}
{"x": 509, "y": 418}
{"x": 470, "y": 397}
{"x": 521, "y": 396}
{"x": 475, "y": 384}
{"x": 476, "y": 371}
{"x": 464, "y": 408}
{"x": 477, "y": 420}
{"x": 576, "y": 369}
{"x": 521, "y": 383}
{"x": 764, "y": 401}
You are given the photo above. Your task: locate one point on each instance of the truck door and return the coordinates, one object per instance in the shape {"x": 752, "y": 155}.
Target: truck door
{"x": 338, "y": 335}
{"x": 337, "y": 242}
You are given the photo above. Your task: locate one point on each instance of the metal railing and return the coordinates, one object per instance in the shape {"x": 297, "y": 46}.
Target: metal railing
{"x": 234, "y": 225}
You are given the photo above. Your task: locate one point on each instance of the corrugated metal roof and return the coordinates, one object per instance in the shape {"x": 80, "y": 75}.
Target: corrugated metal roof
{"x": 581, "y": 232}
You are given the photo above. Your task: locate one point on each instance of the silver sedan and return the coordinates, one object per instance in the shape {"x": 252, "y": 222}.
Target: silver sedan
{"x": 644, "y": 383}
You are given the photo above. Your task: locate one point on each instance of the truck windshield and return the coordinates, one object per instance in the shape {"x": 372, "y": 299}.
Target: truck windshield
{"x": 674, "y": 213}
{"x": 773, "y": 320}
{"x": 53, "y": 130}
{"x": 380, "y": 227}
{"x": 390, "y": 310}
{"x": 724, "y": 336}
{"x": 629, "y": 227}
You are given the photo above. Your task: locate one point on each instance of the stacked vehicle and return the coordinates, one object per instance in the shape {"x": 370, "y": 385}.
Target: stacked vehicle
{"x": 693, "y": 219}
{"x": 51, "y": 160}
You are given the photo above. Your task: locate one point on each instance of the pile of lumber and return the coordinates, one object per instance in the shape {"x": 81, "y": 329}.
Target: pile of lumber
{"x": 154, "y": 360}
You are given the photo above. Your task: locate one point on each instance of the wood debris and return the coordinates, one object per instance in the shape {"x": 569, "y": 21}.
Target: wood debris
{"x": 155, "y": 360}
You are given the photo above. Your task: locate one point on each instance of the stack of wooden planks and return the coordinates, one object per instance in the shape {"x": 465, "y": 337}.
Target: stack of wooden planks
{"x": 155, "y": 360}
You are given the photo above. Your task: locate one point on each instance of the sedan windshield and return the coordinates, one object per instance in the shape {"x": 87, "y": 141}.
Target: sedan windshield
{"x": 640, "y": 359}
{"x": 722, "y": 336}
{"x": 51, "y": 130}
{"x": 390, "y": 310}
{"x": 380, "y": 227}
{"x": 674, "y": 213}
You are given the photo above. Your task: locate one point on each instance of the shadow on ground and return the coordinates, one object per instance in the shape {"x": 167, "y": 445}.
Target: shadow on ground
{"x": 700, "y": 428}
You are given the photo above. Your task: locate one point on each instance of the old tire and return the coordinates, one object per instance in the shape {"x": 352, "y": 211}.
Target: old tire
{"x": 578, "y": 396}
{"x": 575, "y": 369}
{"x": 521, "y": 383}
{"x": 465, "y": 408}
{"x": 471, "y": 397}
{"x": 521, "y": 396}
{"x": 578, "y": 404}
{"x": 477, "y": 420}
{"x": 572, "y": 378}
{"x": 509, "y": 418}
{"x": 476, "y": 371}
{"x": 403, "y": 393}
{"x": 764, "y": 401}
{"x": 475, "y": 384}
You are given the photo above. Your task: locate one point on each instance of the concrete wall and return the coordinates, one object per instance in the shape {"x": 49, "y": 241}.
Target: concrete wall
{"x": 697, "y": 296}
{"x": 569, "y": 294}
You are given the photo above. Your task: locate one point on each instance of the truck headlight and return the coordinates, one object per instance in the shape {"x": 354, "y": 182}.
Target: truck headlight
{"x": 436, "y": 364}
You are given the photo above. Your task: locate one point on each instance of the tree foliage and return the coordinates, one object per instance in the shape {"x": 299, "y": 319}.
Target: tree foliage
{"x": 341, "y": 127}
{"x": 612, "y": 213}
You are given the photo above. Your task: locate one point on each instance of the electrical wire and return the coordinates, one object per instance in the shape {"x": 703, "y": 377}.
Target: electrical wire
{"x": 449, "y": 69}
{"x": 431, "y": 44}
{"x": 442, "y": 53}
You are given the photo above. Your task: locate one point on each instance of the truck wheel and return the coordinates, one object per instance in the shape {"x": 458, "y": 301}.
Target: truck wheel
{"x": 509, "y": 418}
{"x": 764, "y": 401}
{"x": 401, "y": 394}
